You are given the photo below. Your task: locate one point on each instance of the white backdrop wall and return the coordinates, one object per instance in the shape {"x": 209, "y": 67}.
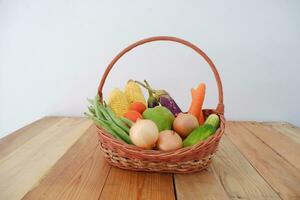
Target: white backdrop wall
{"x": 53, "y": 52}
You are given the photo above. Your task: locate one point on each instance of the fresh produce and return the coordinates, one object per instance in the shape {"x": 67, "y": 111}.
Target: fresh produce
{"x": 138, "y": 106}
{"x": 197, "y": 102}
{"x": 120, "y": 132}
{"x": 134, "y": 93}
{"x": 168, "y": 140}
{"x": 144, "y": 133}
{"x": 133, "y": 115}
{"x": 158, "y": 123}
{"x": 167, "y": 101}
{"x": 104, "y": 125}
{"x": 92, "y": 110}
{"x": 202, "y": 132}
{"x": 213, "y": 120}
{"x": 163, "y": 97}
{"x": 111, "y": 115}
{"x": 185, "y": 123}
{"x": 128, "y": 122}
{"x": 118, "y": 102}
{"x": 105, "y": 118}
{"x": 161, "y": 116}
{"x": 152, "y": 100}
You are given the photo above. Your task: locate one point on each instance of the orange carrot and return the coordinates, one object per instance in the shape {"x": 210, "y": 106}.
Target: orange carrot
{"x": 197, "y": 102}
{"x": 201, "y": 118}
{"x": 193, "y": 91}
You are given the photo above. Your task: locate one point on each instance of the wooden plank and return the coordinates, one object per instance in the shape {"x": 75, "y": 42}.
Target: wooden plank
{"x": 281, "y": 175}
{"x": 285, "y": 128}
{"x": 79, "y": 174}
{"x": 283, "y": 145}
{"x": 200, "y": 185}
{"x": 12, "y": 141}
{"x": 124, "y": 184}
{"x": 238, "y": 177}
{"x": 21, "y": 169}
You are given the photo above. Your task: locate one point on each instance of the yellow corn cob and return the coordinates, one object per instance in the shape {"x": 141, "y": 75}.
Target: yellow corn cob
{"x": 134, "y": 92}
{"x": 118, "y": 102}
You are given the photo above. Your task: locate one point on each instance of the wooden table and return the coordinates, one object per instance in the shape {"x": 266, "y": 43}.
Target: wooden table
{"x": 58, "y": 158}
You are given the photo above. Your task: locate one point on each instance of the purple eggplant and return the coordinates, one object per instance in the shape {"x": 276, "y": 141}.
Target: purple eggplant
{"x": 167, "y": 101}
{"x": 152, "y": 101}
{"x": 162, "y": 97}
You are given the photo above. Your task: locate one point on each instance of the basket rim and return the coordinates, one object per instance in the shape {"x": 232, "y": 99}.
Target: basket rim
{"x": 153, "y": 152}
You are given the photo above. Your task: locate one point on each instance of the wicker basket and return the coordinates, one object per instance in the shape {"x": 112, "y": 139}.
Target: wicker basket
{"x": 184, "y": 160}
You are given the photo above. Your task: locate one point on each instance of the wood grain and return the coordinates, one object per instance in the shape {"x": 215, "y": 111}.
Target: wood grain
{"x": 22, "y": 168}
{"x": 285, "y": 128}
{"x": 283, "y": 145}
{"x": 200, "y": 185}
{"x": 79, "y": 174}
{"x": 123, "y": 184}
{"x": 19, "y": 137}
{"x": 238, "y": 177}
{"x": 282, "y": 176}
{"x": 58, "y": 158}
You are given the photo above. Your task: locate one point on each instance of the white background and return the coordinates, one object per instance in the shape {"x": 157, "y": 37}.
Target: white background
{"x": 53, "y": 53}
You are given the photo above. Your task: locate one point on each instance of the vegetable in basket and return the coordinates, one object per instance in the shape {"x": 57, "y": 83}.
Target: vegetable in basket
{"x": 138, "y": 106}
{"x": 126, "y": 121}
{"x": 133, "y": 115}
{"x": 202, "y": 132}
{"x": 118, "y": 102}
{"x": 185, "y": 123}
{"x": 134, "y": 93}
{"x": 197, "y": 102}
{"x": 163, "y": 97}
{"x": 144, "y": 133}
{"x": 152, "y": 100}
{"x": 104, "y": 117}
{"x": 161, "y": 116}
{"x": 169, "y": 140}
{"x": 213, "y": 120}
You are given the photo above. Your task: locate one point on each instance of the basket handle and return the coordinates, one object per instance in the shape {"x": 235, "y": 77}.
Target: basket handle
{"x": 220, "y": 106}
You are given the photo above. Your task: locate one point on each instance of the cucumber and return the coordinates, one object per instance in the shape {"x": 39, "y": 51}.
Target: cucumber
{"x": 213, "y": 120}
{"x": 199, "y": 134}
